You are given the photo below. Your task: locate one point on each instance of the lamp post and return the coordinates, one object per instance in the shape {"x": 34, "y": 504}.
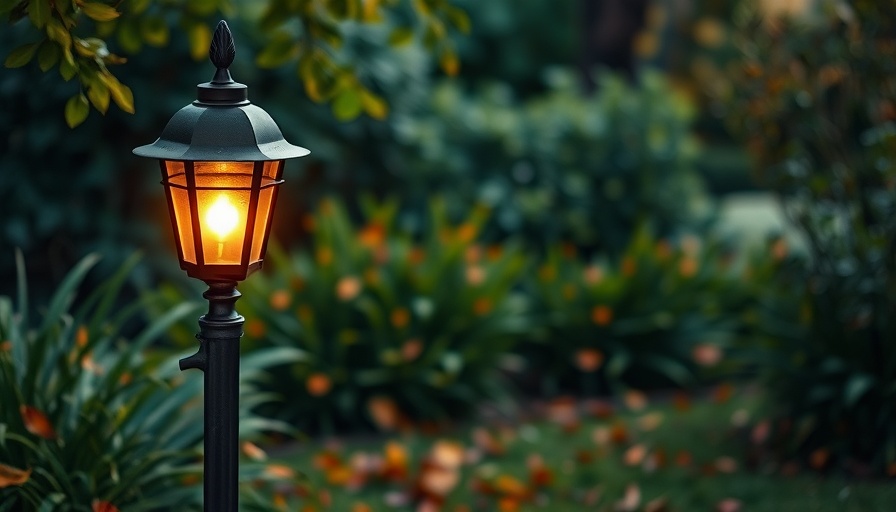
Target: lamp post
{"x": 221, "y": 159}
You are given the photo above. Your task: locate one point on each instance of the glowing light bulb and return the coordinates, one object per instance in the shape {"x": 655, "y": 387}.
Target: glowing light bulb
{"x": 221, "y": 217}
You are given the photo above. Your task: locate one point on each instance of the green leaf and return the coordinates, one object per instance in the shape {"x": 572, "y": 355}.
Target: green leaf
{"x": 21, "y": 55}
{"x": 401, "y": 36}
{"x": 139, "y": 6}
{"x": 121, "y": 93}
{"x": 76, "y": 110}
{"x": 348, "y": 104}
{"x": 202, "y": 7}
{"x": 47, "y": 55}
{"x": 99, "y": 96}
{"x": 99, "y": 12}
{"x": 39, "y": 12}
{"x": 67, "y": 69}
{"x": 278, "y": 51}
{"x": 154, "y": 31}
{"x": 129, "y": 36}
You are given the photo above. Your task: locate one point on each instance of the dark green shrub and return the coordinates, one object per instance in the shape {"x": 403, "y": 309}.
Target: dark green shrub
{"x": 816, "y": 101}
{"x": 664, "y": 314}
{"x": 396, "y": 330}
{"x": 563, "y": 166}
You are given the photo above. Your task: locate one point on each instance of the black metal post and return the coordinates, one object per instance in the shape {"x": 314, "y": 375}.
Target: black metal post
{"x": 219, "y": 336}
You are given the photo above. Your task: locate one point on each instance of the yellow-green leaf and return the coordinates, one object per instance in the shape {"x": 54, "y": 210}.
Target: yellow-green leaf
{"x": 39, "y": 12}
{"x": 200, "y": 37}
{"x": 121, "y": 93}
{"x": 129, "y": 36}
{"x": 47, "y": 55}
{"x": 459, "y": 18}
{"x": 98, "y": 94}
{"x": 76, "y": 110}
{"x": 347, "y": 104}
{"x": 449, "y": 62}
{"x": 58, "y": 33}
{"x": 138, "y": 6}
{"x": 21, "y": 56}
{"x": 278, "y": 51}
{"x": 99, "y": 12}
{"x": 154, "y": 31}
{"x": 401, "y": 36}
{"x": 374, "y": 105}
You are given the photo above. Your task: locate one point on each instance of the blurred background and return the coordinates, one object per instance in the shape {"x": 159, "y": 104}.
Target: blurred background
{"x": 563, "y": 213}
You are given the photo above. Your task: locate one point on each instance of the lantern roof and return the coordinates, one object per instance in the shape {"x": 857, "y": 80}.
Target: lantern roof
{"x": 221, "y": 125}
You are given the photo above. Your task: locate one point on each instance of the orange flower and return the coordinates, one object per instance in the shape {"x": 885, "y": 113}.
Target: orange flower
{"x": 324, "y": 256}
{"x": 280, "y": 300}
{"x": 125, "y": 379}
{"x": 628, "y": 266}
{"x": 447, "y": 454}
{"x": 318, "y": 384}
{"x": 473, "y": 254}
{"x": 593, "y": 275}
{"x": 466, "y": 232}
{"x": 400, "y": 318}
{"x": 13, "y": 476}
{"x": 103, "y": 506}
{"x": 494, "y": 252}
{"x": 411, "y": 349}
{"x": 279, "y": 471}
{"x": 255, "y": 328}
{"x": 254, "y": 452}
{"x": 416, "y": 255}
{"x": 395, "y": 460}
{"x": 475, "y": 275}
{"x": 81, "y": 337}
{"x": 687, "y": 267}
{"x": 384, "y": 412}
{"x": 36, "y": 422}
{"x": 635, "y": 455}
{"x": 539, "y": 474}
{"x": 508, "y": 504}
{"x": 707, "y": 354}
{"x": 779, "y": 249}
{"x": 482, "y": 306}
{"x": 439, "y": 481}
{"x": 602, "y": 315}
{"x": 348, "y": 288}
{"x": 589, "y": 359}
{"x": 372, "y": 235}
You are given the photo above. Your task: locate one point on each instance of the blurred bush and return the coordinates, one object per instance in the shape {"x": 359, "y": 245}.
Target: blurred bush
{"x": 815, "y": 98}
{"x": 663, "y": 315}
{"x": 563, "y": 166}
{"x": 397, "y": 330}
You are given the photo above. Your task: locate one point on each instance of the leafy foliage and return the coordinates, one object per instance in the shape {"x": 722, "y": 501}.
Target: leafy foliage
{"x": 311, "y": 31}
{"x": 815, "y": 100}
{"x": 408, "y": 329}
{"x": 656, "y": 317}
{"x": 92, "y": 420}
{"x": 601, "y": 165}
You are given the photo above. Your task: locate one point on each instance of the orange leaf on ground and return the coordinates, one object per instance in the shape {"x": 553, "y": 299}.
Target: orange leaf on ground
{"x": 36, "y": 422}
{"x": 726, "y": 465}
{"x": 650, "y": 421}
{"x": 723, "y": 393}
{"x": 729, "y": 505}
{"x": 635, "y": 400}
{"x": 635, "y": 455}
{"x": 630, "y": 500}
{"x": 384, "y": 412}
{"x": 589, "y": 359}
{"x": 486, "y": 442}
{"x": 660, "y": 504}
{"x": 279, "y": 471}
{"x": 13, "y": 476}
{"x": 103, "y": 506}
{"x": 819, "y": 458}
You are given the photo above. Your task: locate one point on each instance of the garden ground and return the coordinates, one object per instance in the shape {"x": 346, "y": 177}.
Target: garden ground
{"x": 679, "y": 454}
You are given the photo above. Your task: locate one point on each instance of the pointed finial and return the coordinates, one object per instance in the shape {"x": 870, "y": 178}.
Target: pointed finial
{"x": 221, "y": 52}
